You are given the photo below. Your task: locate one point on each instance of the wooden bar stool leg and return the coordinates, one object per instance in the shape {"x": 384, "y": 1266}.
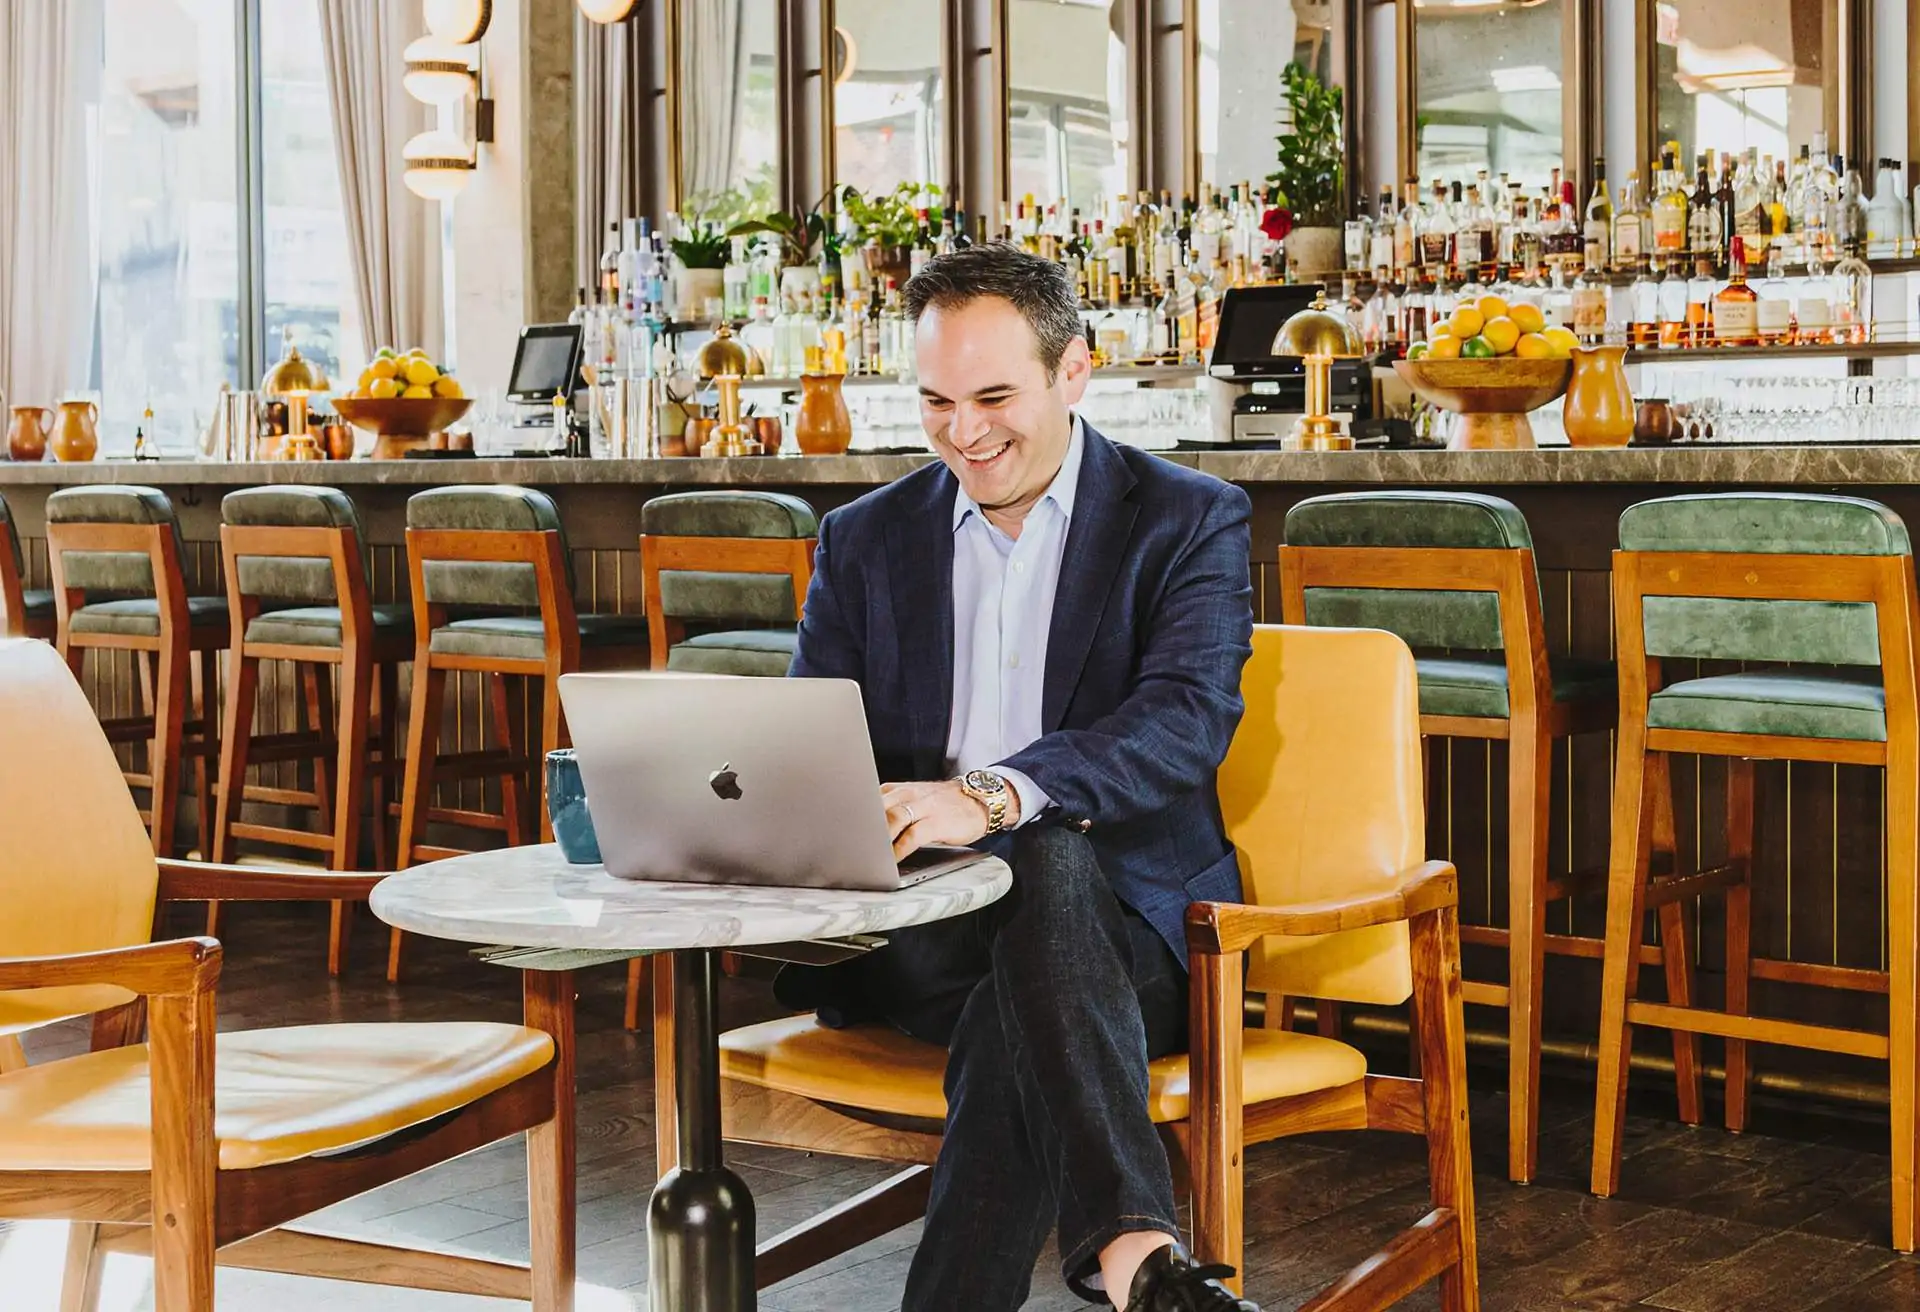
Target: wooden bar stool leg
{"x": 636, "y": 992}
{"x": 1620, "y": 974}
{"x": 505, "y": 736}
{"x": 423, "y": 740}
{"x": 383, "y": 780}
{"x": 317, "y": 718}
{"x": 1903, "y": 971}
{"x": 1675, "y": 951}
{"x": 1529, "y": 798}
{"x": 243, "y": 684}
{"x": 206, "y": 679}
{"x": 1739, "y": 911}
{"x": 169, "y": 724}
{"x": 356, "y": 709}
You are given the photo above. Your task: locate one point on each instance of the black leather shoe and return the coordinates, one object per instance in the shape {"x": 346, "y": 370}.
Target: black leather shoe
{"x": 1170, "y": 1281}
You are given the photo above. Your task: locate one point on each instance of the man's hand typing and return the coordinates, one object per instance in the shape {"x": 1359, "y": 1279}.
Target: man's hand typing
{"x": 920, "y": 814}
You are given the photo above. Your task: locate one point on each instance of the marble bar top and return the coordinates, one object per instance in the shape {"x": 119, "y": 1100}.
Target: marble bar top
{"x": 1702, "y": 464}
{"x": 531, "y": 897}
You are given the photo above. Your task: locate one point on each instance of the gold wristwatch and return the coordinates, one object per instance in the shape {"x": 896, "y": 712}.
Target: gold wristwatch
{"x": 992, "y": 792}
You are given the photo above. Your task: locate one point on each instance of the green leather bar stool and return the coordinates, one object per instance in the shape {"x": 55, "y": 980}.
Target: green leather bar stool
{"x": 1825, "y": 583}
{"x": 24, "y": 612}
{"x": 493, "y": 587}
{"x": 297, "y": 591}
{"x": 712, "y": 562}
{"x": 116, "y": 555}
{"x": 1453, "y": 574}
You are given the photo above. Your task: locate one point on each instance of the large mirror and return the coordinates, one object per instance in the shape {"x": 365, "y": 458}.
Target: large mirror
{"x": 1489, "y": 89}
{"x": 889, "y": 94}
{"x": 1069, "y": 130}
{"x": 729, "y": 120}
{"x": 1243, "y": 46}
{"x": 1733, "y": 75}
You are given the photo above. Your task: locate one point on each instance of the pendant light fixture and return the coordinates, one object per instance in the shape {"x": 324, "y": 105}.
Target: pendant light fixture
{"x": 439, "y": 165}
{"x": 437, "y": 73}
{"x": 609, "y": 11}
{"x": 458, "y": 22}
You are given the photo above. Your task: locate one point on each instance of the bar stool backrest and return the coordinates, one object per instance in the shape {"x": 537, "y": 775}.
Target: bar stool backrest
{"x": 755, "y": 581}
{"x": 13, "y": 577}
{"x": 12, "y": 534}
{"x": 300, "y": 566}
{"x": 489, "y": 584}
{"x": 104, "y": 564}
{"x": 1409, "y": 595}
{"x": 1796, "y": 624}
{"x": 1324, "y": 708}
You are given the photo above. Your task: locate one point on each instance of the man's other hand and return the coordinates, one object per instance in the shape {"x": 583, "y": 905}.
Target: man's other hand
{"x": 922, "y": 814}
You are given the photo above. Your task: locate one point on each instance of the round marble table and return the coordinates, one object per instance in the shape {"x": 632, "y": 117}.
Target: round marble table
{"x": 700, "y": 1233}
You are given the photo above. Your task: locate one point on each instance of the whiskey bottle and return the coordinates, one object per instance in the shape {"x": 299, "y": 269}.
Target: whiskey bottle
{"x": 1736, "y": 316}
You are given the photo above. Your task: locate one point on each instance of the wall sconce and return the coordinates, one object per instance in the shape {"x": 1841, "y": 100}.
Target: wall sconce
{"x": 458, "y": 22}
{"x": 437, "y": 73}
{"x": 439, "y": 165}
{"x": 609, "y": 11}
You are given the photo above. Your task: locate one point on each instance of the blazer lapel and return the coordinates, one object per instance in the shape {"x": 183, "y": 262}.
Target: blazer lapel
{"x": 1095, "y": 549}
{"x": 920, "y": 583}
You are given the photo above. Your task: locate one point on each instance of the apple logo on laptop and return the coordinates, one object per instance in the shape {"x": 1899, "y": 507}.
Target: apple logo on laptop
{"x": 725, "y": 783}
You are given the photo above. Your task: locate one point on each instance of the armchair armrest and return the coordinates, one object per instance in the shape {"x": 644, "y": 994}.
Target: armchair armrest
{"x": 194, "y": 881}
{"x": 174, "y": 967}
{"x": 1223, "y": 927}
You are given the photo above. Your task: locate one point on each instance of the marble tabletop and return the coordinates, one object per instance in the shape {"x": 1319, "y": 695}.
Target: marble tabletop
{"x": 531, "y": 897}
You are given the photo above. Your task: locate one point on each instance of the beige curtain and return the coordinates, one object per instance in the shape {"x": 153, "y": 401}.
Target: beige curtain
{"x": 604, "y": 112}
{"x": 712, "y": 72}
{"x": 50, "y": 56}
{"x": 393, "y": 237}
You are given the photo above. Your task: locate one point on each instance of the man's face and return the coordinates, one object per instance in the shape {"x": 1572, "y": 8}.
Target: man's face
{"x": 992, "y": 414}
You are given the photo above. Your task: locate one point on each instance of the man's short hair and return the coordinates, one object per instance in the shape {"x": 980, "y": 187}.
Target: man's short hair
{"x": 1041, "y": 290}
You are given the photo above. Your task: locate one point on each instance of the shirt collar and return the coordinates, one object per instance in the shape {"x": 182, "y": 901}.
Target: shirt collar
{"x": 1061, "y": 491}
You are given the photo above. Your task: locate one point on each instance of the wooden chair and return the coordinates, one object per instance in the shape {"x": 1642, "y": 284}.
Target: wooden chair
{"x": 1453, "y": 573}
{"x": 711, "y": 562}
{"x": 123, "y": 543}
{"x": 24, "y": 612}
{"x": 197, "y": 1148}
{"x": 1826, "y": 583}
{"x": 1322, "y": 796}
{"x": 297, "y": 591}
{"x": 492, "y": 593}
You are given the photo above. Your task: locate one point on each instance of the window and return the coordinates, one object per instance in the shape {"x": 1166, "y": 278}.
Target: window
{"x": 167, "y": 208}
{"x": 1242, "y": 97}
{"x": 888, "y": 100}
{"x": 730, "y": 145}
{"x": 1489, "y": 80}
{"x": 1738, "y": 76}
{"x": 1069, "y": 130}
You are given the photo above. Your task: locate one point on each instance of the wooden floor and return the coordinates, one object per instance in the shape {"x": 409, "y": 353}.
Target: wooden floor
{"x": 1792, "y": 1216}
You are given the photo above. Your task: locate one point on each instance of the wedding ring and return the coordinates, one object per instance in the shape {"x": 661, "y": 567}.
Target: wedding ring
{"x": 909, "y": 810}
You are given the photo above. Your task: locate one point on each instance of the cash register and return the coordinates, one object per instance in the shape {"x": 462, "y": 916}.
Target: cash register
{"x": 1256, "y": 396}
{"x": 546, "y": 364}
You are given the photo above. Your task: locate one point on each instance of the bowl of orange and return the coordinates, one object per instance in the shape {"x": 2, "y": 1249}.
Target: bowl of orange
{"x": 403, "y": 400}
{"x": 1491, "y": 363}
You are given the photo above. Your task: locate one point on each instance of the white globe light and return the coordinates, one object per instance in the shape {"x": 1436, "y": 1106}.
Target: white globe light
{"x": 439, "y": 165}
{"x": 458, "y": 22}
{"x": 437, "y": 73}
{"x": 609, "y": 11}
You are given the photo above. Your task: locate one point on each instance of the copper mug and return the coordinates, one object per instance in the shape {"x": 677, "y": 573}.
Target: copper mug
{"x": 1653, "y": 421}
{"x": 338, "y": 441}
{"x": 767, "y": 429}
{"x": 699, "y": 432}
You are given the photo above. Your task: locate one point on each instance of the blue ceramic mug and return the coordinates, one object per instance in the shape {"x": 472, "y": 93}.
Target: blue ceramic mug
{"x": 567, "y": 806}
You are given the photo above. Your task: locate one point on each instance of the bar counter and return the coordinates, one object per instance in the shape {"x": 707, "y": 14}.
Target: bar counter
{"x": 1819, "y": 888}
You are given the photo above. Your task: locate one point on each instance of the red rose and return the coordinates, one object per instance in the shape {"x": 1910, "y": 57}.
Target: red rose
{"x": 1277, "y": 223}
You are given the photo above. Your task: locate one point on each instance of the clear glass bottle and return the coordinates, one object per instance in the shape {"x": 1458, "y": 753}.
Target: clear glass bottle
{"x": 1590, "y": 307}
{"x": 1629, "y": 226}
{"x": 1852, "y": 283}
{"x": 1673, "y": 307}
{"x": 1598, "y": 245}
{"x": 1700, "y": 290}
{"x": 1643, "y": 329}
{"x": 1669, "y": 211}
{"x": 1358, "y": 238}
{"x": 1773, "y": 310}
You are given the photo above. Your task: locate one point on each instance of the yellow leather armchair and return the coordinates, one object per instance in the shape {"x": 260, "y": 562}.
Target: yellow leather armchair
{"x": 197, "y": 1147}
{"x": 1322, "y": 797}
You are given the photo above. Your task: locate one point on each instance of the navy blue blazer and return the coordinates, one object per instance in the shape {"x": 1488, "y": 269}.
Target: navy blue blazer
{"x": 1152, "y": 623}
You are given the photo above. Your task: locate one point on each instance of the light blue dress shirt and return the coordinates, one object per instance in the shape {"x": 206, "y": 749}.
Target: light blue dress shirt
{"x": 1003, "y": 590}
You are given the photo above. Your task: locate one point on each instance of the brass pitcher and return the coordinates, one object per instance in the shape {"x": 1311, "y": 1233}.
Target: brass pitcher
{"x": 77, "y": 438}
{"x": 27, "y": 434}
{"x": 1599, "y": 406}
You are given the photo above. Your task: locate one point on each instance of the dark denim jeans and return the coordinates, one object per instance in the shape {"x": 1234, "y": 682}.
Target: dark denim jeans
{"x": 1051, "y": 1003}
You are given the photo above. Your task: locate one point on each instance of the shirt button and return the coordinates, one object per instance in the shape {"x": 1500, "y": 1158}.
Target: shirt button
{"x": 1014, "y": 660}
{"x": 1019, "y": 567}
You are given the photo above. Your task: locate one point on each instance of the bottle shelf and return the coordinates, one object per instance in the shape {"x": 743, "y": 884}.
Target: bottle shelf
{"x": 1123, "y": 373}
{"x": 1707, "y": 355}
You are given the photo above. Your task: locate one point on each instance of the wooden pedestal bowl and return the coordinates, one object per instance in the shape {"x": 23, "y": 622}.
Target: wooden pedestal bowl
{"x": 401, "y": 424}
{"x": 1492, "y": 397}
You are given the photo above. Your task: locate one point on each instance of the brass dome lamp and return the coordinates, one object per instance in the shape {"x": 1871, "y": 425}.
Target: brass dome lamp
{"x": 294, "y": 378}
{"x": 1318, "y": 336}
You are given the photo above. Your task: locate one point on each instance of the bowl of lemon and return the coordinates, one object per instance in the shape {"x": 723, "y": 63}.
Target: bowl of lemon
{"x": 1491, "y": 363}
{"x": 403, "y": 399}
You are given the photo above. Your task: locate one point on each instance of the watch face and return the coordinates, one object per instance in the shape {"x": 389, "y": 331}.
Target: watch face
{"x": 985, "y": 781}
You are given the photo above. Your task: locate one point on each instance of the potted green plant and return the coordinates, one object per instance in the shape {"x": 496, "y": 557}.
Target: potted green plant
{"x": 701, "y": 252}
{"x": 1311, "y": 172}
{"x": 889, "y": 221}
{"x": 802, "y": 236}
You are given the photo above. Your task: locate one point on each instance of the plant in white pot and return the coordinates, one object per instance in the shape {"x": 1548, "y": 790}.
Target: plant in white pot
{"x": 700, "y": 253}
{"x": 1311, "y": 173}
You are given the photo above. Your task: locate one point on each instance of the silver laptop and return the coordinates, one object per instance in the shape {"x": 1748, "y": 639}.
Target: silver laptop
{"x": 732, "y": 780}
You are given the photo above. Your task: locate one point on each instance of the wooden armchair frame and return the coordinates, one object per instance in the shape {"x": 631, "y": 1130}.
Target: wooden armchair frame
{"x": 1534, "y": 720}
{"x": 191, "y": 1216}
{"x": 179, "y": 647}
{"x": 13, "y": 601}
{"x": 338, "y": 744}
{"x": 1642, "y": 794}
{"x": 1211, "y": 1142}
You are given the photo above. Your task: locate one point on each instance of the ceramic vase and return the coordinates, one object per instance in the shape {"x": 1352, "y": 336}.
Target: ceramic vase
{"x": 1599, "y": 409}
{"x": 27, "y": 435}
{"x": 822, "y": 427}
{"x": 76, "y": 437}
{"x": 1313, "y": 254}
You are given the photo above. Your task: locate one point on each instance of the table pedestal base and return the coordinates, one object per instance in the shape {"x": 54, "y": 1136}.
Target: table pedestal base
{"x": 700, "y": 1225}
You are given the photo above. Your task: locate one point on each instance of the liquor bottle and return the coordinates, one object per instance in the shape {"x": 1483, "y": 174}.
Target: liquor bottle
{"x": 1529, "y": 247}
{"x": 1700, "y": 290}
{"x": 1673, "y": 306}
{"x": 1405, "y": 241}
{"x": 1815, "y": 204}
{"x": 1794, "y": 188}
{"x": 1643, "y": 329}
{"x": 1590, "y": 306}
{"x": 1163, "y": 335}
{"x": 1437, "y": 230}
{"x": 610, "y": 269}
{"x": 1380, "y": 247}
{"x": 1598, "y": 252}
{"x": 734, "y": 300}
{"x": 1852, "y": 283}
{"x": 1750, "y": 220}
{"x": 1736, "y": 314}
{"x": 1669, "y": 210}
{"x": 1357, "y": 238}
{"x": 1722, "y": 203}
{"x": 1886, "y": 225}
{"x": 1704, "y": 237}
{"x": 579, "y": 312}
{"x": 1629, "y": 226}
{"x": 633, "y": 237}
{"x": 1850, "y": 211}
{"x": 1773, "y": 311}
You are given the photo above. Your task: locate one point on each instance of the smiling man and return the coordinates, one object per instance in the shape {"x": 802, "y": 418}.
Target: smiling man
{"x": 1048, "y": 631}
